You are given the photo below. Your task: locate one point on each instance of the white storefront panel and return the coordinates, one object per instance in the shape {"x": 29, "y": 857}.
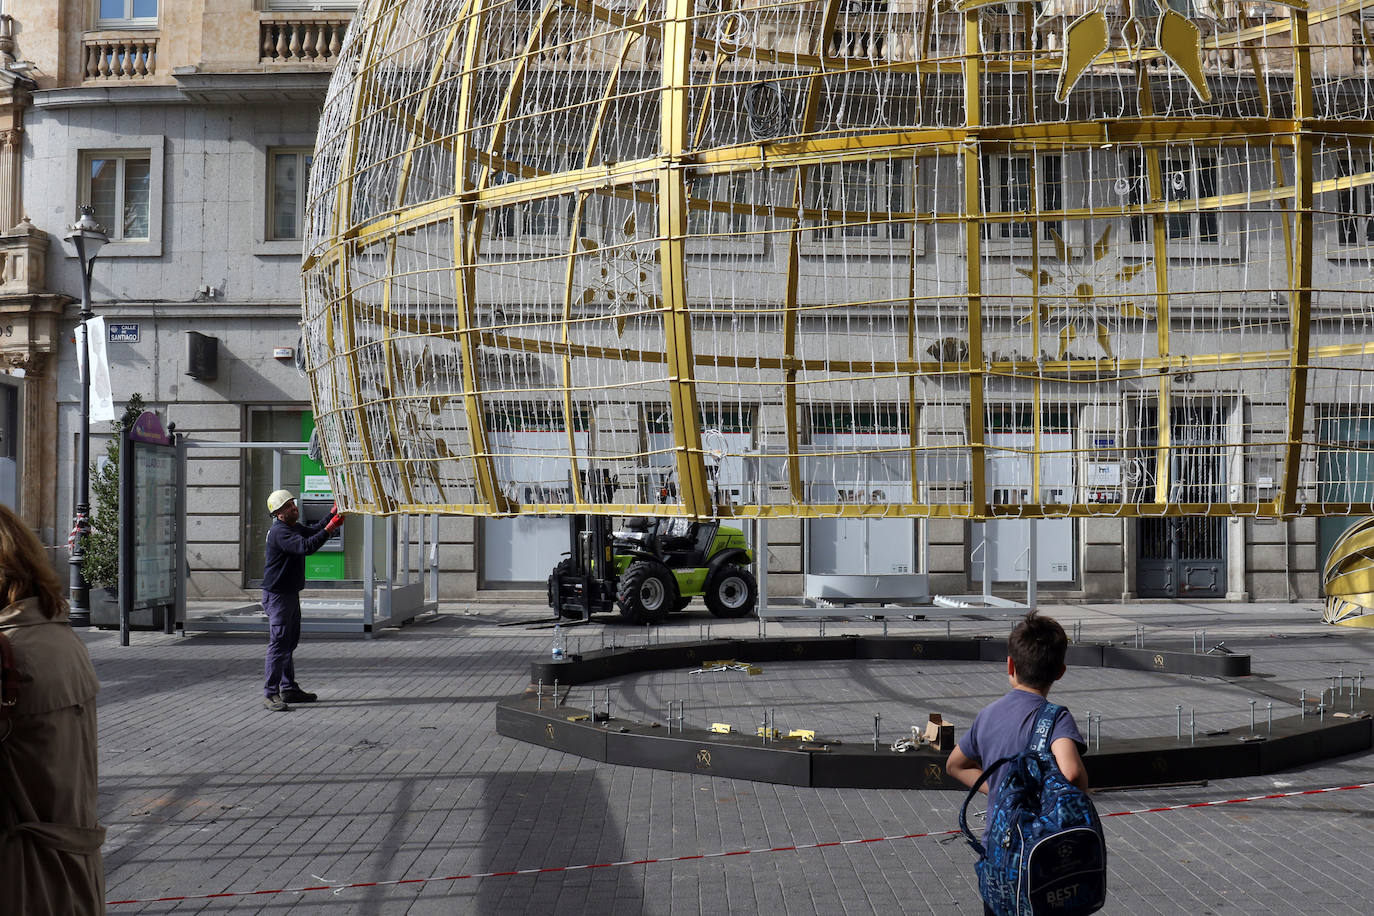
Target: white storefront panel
{"x": 1010, "y": 483}
{"x": 849, "y": 546}
{"x": 522, "y": 551}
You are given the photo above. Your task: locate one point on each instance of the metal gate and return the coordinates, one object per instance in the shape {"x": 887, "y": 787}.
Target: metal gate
{"x": 1182, "y": 557}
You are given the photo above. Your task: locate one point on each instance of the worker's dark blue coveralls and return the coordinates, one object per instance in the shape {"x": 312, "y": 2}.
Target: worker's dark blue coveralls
{"x": 287, "y": 548}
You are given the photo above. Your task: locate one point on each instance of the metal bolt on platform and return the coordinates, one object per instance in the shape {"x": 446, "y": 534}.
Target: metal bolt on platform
{"x": 1252, "y": 716}
{"x": 1192, "y": 726}
{"x": 1302, "y": 704}
{"x": 539, "y": 695}
{"x": 1270, "y": 707}
{"x": 877, "y": 717}
{"x": 1179, "y": 710}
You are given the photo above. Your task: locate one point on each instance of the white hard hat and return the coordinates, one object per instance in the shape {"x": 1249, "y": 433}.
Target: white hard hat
{"x": 278, "y": 499}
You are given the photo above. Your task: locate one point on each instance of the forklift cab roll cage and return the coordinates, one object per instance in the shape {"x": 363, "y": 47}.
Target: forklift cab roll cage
{"x": 588, "y": 583}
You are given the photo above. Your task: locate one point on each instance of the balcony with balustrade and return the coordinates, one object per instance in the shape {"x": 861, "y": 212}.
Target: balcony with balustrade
{"x": 301, "y": 41}
{"x": 119, "y": 56}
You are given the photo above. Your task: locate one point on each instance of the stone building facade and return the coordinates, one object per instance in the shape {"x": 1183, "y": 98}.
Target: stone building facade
{"x": 189, "y": 125}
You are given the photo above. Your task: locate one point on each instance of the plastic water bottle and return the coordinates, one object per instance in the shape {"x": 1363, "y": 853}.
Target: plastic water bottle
{"x": 560, "y": 643}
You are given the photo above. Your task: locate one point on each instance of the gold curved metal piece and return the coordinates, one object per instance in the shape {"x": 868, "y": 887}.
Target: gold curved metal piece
{"x": 674, "y": 110}
{"x": 1181, "y": 41}
{"x": 1348, "y": 577}
{"x": 464, "y": 256}
{"x": 790, "y": 314}
{"x": 1085, "y": 39}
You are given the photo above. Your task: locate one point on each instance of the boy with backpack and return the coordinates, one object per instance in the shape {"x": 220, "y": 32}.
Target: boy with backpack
{"x": 1042, "y": 846}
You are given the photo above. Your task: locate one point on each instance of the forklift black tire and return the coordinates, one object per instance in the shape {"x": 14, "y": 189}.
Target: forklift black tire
{"x": 562, "y": 568}
{"x": 731, "y": 591}
{"x": 680, "y": 604}
{"x": 647, "y": 593}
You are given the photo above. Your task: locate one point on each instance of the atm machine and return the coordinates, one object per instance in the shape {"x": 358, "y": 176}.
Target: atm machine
{"x": 315, "y": 500}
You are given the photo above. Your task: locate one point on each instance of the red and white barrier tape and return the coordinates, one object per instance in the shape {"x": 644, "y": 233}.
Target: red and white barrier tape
{"x": 472, "y": 876}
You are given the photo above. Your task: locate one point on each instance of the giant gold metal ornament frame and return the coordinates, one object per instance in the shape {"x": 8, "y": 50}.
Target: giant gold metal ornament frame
{"x": 667, "y": 174}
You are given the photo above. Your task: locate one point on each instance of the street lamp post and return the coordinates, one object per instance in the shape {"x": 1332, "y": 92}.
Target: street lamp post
{"x": 87, "y": 236}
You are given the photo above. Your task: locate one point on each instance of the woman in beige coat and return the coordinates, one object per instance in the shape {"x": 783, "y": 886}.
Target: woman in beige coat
{"x": 49, "y": 838}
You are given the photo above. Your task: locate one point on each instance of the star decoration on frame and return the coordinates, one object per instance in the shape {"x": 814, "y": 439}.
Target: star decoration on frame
{"x": 1085, "y": 291}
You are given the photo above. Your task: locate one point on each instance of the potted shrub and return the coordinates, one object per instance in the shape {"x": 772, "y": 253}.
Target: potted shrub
{"x": 100, "y": 562}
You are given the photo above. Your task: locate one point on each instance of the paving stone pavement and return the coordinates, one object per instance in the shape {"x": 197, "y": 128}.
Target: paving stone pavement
{"x": 397, "y": 774}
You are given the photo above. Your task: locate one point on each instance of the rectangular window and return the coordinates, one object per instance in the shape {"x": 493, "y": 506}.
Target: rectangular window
{"x": 1182, "y": 177}
{"x": 1355, "y": 224}
{"x": 718, "y": 222}
{"x": 10, "y": 432}
{"x": 1345, "y": 467}
{"x": 717, "y": 190}
{"x": 544, "y": 217}
{"x": 118, "y": 186}
{"x": 857, "y": 199}
{"x": 865, "y": 206}
{"x": 530, "y": 417}
{"x": 1008, "y": 187}
{"x": 1016, "y": 418}
{"x": 113, "y": 14}
{"x": 878, "y": 420}
{"x": 1188, "y": 179}
{"x": 288, "y": 176}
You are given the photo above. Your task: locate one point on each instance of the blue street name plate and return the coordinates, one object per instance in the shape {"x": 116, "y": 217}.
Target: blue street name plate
{"x": 122, "y": 333}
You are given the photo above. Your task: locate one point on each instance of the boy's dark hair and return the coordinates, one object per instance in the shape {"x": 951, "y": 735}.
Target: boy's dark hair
{"x": 1037, "y": 646}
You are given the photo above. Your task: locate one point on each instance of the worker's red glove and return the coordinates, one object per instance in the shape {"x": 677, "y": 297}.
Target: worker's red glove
{"x": 335, "y": 521}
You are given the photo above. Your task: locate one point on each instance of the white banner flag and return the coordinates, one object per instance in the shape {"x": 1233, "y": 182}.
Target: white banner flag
{"x": 102, "y": 400}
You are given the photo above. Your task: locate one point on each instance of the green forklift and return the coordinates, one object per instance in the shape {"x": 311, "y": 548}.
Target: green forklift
{"x": 652, "y": 567}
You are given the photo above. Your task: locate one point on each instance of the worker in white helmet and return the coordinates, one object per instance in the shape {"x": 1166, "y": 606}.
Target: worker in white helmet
{"x": 288, "y": 544}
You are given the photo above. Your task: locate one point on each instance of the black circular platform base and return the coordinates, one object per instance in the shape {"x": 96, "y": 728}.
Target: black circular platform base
{"x": 540, "y": 716}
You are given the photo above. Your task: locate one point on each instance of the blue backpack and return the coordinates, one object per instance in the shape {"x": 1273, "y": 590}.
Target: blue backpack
{"x": 1045, "y": 851}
